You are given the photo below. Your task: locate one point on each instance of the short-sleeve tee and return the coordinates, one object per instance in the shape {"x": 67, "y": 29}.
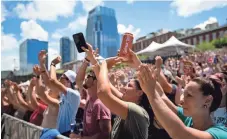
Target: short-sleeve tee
{"x": 68, "y": 107}
{"x": 93, "y": 113}
{"x": 216, "y": 131}
{"x": 135, "y": 126}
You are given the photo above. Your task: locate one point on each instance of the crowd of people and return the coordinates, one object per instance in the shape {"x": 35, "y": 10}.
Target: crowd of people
{"x": 181, "y": 97}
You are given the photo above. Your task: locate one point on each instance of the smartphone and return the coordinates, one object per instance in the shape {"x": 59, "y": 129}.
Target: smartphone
{"x": 80, "y": 42}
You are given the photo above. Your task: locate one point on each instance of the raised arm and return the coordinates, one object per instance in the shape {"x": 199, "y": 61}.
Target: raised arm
{"x": 51, "y": 80}
{"x": 41, "y": 89}
{"x": 32, "y": 94}
{"x": 167, "y": 118}
{"x": 81, "y": 75}
{"x": 115, "y": 105}
{"x": 21, "y": 101}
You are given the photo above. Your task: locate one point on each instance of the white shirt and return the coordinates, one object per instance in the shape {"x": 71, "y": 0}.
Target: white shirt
{"x": 219, "y": 116}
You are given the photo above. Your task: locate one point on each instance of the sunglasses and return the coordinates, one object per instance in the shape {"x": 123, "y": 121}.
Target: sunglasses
{"x": 90, "y": 76}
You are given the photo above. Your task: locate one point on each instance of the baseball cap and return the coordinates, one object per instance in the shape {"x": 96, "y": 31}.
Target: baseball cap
{"x": 71, "y": 75}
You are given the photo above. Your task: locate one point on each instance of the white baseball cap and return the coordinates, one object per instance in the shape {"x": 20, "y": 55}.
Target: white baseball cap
{"x": 71, "y": 75}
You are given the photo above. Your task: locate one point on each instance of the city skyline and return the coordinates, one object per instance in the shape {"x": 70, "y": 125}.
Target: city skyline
{"x": 29, "y": 51}
{"x": 101, "y": 31}
{"x": 68, "y": 50}
{"x": 32, "y": 19}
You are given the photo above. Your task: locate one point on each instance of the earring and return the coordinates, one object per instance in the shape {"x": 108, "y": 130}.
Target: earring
{"x": 205, "y": 106}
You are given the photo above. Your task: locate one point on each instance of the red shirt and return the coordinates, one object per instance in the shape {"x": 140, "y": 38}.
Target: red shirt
{"x": 93, "y": 112}
{"x": 37, "y": 115}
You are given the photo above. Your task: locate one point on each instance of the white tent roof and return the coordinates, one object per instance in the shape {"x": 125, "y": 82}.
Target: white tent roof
{"x": 149, "y": 49}
{"x": 170, "y": 47}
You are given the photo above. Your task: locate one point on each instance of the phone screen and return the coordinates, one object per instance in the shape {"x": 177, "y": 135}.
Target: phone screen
{"x": 80, "y": 42}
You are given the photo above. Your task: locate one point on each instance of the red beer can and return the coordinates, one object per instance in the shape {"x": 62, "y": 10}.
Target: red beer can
{"x": 126, "y": 44}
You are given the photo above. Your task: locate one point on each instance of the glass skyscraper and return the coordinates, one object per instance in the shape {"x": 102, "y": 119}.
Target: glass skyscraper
{"x": 67, "y": 50}
{"x": 101, "y": 31}
{"x": 29, "y": 51}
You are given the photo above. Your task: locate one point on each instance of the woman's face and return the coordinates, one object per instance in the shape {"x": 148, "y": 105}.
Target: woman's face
{"x": 130, "y": 92}
{"x": 193, "y": 100}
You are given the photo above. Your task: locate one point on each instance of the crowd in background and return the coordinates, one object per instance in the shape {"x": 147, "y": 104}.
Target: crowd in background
{"x": 180, "y": 97}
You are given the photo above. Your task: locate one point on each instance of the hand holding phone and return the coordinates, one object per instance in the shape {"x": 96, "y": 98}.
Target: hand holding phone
{"x": 80, "y": 42}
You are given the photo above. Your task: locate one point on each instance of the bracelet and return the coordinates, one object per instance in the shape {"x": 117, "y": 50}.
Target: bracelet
{"x": 53, "y": 64}
{"x": 87, "y": 59}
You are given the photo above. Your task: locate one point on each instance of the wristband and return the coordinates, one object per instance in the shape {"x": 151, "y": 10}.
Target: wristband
{"x": 87, "y": 59}
{"x": 53, "y": 64}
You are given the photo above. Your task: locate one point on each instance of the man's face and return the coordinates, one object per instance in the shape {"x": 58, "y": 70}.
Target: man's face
{"x": 89, "y": 81}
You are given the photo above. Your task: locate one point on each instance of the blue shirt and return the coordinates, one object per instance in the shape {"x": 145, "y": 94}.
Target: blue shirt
{"x": 217, "y": 131}
{"x": 68, "y": 107}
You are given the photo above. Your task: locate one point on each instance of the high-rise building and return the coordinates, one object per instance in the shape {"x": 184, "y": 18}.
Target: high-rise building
{"x": 29, "y": 51}
{"x": 73, "y": 51}
{"x": 67, "y": 50}
{"x": 101, "y": 31}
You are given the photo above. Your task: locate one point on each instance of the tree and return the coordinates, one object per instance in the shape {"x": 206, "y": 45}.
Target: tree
{"x": 205, "y": 46}
{"x": 221, "y": 42}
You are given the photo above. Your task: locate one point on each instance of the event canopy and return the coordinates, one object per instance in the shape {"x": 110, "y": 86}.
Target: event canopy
{"x": 148, "y": 49}
{"x": 171, "y": 47}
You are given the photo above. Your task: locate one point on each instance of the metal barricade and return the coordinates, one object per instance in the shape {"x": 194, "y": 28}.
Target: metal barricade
{"x": 14, "y": 128}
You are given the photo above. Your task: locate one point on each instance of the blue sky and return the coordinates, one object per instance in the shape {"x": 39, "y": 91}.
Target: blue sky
{"x": 49, "y": 20}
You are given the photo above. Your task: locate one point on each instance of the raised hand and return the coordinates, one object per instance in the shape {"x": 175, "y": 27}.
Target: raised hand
{"x": 15, "y": 85}
{"x": 42, "y": 56}
{"x": 147, "y": 79}
{"x": 57, "y": 60}
{"x": 90, "y": 54}
{"x": 132, "y": 60}
{"x": 158, "y": 62}
{"x": 7, "y": 83}
{"x": 36, "y": 70}
{"x": 33, "y": 82}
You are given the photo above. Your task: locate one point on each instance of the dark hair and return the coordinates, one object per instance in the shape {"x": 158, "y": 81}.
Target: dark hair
{"x": 210, "y": 87}
{"x": 72, "y": 85}
{"x": 144, "y": 102}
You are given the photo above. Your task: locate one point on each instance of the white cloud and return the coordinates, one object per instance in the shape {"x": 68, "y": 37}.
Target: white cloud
{"x": 31, "y": 30}
{"x": 54, "y": 44}
{"x": 45, "y": 10}
{"x": 56, "y": 35}
{"x": 209, "y": 21}
{"x": 81, "y": 21}
{"x": 52, "y": 53}
{"x": 187, "y": 8}
{"x": 130, "y": 1}
{"x": 78, "y": 25}
{"x": 8, "y": 42}
{"x": 4, "y": 12}
{"x": 10, "y": 62}
{"x": 131, "y": 29}
{"x": 89, "y": 5}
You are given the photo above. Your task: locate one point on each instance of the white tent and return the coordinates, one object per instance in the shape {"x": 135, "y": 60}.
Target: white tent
{"x": 171, "y": 47}
{"x": 150, "y": 48}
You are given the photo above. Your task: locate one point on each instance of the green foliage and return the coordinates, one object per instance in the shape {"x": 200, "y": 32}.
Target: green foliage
{"x": 205, "y": 46}
{"x": 142, "y": 57}
{"x": 221, "y": 42}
